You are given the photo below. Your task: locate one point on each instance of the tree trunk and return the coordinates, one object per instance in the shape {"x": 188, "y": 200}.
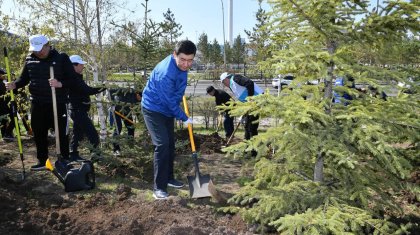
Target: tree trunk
{"x": 319, "y": 163}
{"x": 319, "y": 168}
{"x": 99, "y": 71}
{"x": 99, "y": 106}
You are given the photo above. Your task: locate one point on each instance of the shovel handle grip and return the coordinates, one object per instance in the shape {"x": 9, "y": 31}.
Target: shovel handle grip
{"x": 190, "y": 131}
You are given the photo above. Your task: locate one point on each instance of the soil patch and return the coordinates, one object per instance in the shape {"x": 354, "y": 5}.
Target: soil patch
{"x": 39, "y": 205}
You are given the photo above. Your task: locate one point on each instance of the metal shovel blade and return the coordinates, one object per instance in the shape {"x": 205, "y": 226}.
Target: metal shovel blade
{"x": 199, "y": 186}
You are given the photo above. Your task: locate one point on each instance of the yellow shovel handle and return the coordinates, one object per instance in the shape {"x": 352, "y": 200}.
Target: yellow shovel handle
{"x": 190, "y": 131}
{"x": 124, "y": 117}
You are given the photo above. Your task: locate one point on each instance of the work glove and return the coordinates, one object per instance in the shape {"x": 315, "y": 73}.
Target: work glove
{"x": 189, "y": 121}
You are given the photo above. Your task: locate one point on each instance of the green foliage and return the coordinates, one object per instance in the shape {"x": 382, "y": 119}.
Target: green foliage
{"x": 238, "y": 51}
{"x": 170, "y": 31}
{"x": 215, "y": 52}
{"x": 259, "y": 37}
{"x": 328, "y": 168}
{"x": 204, "y": 47}
{"x": 206, "y": 107}
{"x": 361, "y": 164}
{"x": 333, "y": 219}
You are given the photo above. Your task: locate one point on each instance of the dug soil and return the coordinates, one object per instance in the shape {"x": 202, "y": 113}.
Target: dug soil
{"x": 122, "y": 202}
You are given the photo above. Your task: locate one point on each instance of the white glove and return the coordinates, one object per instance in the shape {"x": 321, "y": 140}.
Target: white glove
{"x": 189, "y": 121}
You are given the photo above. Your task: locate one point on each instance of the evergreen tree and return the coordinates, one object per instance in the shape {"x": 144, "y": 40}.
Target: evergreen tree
{"x": 145, "y": 37}
{"x": 215, "y": 53}
{"x": 238, "y": 51}
{"x": 229, "y": 54}
{"x": 335, "y": 168}
{"x": 204, "y": 47}
{"x": 170, "y": 32}
{"x": 259, "y": 36}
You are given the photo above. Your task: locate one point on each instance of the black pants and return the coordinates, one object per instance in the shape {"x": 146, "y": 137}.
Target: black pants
{"x": 117, "y": 130}
{"x": 228, "y": 125}
{"x": 42, "y": 119}
{"x": 82, "y": 126}
{"x": 251, "y": 129}
{"x": 161, "y": 129}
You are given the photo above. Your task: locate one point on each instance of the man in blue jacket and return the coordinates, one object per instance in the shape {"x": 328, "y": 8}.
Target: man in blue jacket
{"x": 160, "y": 105}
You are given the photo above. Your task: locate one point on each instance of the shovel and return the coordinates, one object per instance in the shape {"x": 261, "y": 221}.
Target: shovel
{"x": 233, "y": 133}
{"x": 220, "y": 118}
{"x": 51, "y": 168}
{"x": 61, "y": 164}
{"x": 14, "y": 111}
{"x": 199, "y": 184}
{"x": 124, "y": 117}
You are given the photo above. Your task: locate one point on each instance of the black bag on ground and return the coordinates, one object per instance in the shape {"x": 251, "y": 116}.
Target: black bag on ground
{"x": 79, "y": 178}
{"x": 82, "y": 178}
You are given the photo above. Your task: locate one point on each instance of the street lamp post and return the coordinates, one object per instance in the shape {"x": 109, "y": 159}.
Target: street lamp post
{"x": 224, "y": 39}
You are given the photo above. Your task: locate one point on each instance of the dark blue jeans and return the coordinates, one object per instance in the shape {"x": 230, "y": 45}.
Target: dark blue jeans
{"x": 228, "y": 125}
{"x": 82, "y": 126}
{"x": 161, "y": 130}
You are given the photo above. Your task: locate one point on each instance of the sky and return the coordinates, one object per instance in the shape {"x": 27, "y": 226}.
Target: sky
{"x": 205, "y": 16}
{"x": 195, "y": 16}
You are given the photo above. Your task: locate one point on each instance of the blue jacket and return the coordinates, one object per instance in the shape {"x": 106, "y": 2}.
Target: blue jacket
{"x": 165, "y": 88}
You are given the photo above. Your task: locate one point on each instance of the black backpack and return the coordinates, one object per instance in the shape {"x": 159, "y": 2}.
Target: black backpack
{"x": 77, "y": 176}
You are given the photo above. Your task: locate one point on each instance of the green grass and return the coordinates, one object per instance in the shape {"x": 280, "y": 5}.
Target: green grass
{"x": 123, "y": 77}
{"x": 130, "y": 77}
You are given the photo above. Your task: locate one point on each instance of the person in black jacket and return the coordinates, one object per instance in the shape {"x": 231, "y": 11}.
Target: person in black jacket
{"x": 125, "y": 99}
{"x": 222, "y": 98}
{"x": 79, "y": 107}
{"x": 36, "y": 73}
{"x": 6, "y": 122}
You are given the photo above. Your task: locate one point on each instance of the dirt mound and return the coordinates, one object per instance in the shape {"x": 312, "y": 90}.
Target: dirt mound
{"x": 39, "y": 205}
{"x": 50, "y": 211}
{"x": 205, "y": 144}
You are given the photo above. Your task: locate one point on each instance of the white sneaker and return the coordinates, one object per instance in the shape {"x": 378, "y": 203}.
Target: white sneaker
{"x": 159, "y": 194}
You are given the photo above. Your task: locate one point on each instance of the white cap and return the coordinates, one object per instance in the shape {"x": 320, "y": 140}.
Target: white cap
{"x": 77, "y": 59}
{"x": 36, "y": 42}
{"x": 223, "y": 76}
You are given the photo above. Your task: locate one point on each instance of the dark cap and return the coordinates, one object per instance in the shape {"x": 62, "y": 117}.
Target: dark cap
{"x": 210, "y": 89}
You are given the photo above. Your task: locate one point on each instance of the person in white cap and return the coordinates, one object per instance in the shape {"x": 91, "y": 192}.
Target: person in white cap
{"x": 242, "y": 87}
{"x": 36, "y": 73}
{"x": 79, "y": 108}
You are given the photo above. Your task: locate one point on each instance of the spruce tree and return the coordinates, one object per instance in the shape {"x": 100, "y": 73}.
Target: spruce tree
{"x": 204, "y": 47}
{"x": 334, "y": 168}
{"x": 171, "y": 31}
{"x": 238, "y": 51}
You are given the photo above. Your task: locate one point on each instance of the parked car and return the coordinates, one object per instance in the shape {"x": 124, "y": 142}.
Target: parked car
{"x": 287, "y": 80}
{"x": 275, "y": 82}
{"x": 282, "y": 81}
